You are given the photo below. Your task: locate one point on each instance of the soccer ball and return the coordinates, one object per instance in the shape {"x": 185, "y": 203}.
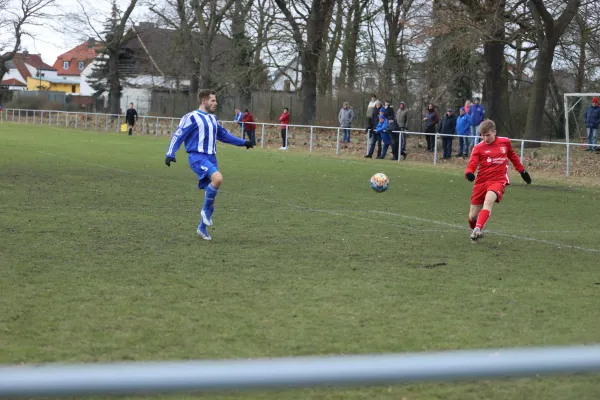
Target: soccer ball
{"x": 380, "y": 182}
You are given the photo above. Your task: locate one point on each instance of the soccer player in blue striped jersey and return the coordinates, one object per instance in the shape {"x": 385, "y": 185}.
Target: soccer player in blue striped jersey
{"x": 199, "y": 130}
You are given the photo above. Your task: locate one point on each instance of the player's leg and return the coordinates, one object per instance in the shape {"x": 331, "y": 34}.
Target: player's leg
{"x": 211, "y": 191}
{"x": 473, "y": 214}
{"x": 484, "y": 214}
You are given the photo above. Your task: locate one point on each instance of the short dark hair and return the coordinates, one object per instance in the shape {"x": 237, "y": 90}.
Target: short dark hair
{"x": 286, "y": 109}
{"x": 204, "y": 94}
{"x": 246, "y": 110}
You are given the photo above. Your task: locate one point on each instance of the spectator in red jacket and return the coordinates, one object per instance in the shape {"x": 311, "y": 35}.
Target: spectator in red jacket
{"x": 249, "y": 126}
{"x": 284, "y": 118}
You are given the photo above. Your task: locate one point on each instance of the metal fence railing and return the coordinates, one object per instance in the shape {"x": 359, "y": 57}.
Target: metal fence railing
{"x": 312, "y": 138}
{"x": 53, "y": 380}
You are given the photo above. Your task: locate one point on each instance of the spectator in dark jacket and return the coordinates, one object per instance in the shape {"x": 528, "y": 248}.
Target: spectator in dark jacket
{"x": 447, "y": 127}
{"x": 373, "y": 136}
{"x": 592, "y": 120}
{"x": 389, "y": 110}
{"x": 431, "y": 119}
{"x": 249, "y": 126}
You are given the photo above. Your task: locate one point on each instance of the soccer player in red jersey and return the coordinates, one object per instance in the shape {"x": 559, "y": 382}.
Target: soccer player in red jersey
{"x": 491, "y": 157}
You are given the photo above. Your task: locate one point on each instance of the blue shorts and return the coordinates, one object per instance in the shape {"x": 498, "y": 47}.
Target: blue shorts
{"x": 204, "y": 166}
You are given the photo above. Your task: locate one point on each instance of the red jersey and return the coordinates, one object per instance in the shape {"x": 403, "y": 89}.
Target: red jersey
{"x": 492, "y": 160}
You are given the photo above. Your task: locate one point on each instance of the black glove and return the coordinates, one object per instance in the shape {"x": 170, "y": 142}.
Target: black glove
{"x": 248, "y": 144}
{"x": 470, "y": 176}
{"x": 169, "y": 160}
{"x": 526, "y": 177}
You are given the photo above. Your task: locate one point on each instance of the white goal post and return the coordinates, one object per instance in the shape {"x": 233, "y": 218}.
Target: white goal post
{"x": 568, "y": 108}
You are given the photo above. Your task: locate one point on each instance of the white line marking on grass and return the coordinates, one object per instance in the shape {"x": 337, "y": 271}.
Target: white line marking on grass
{"x": 343, "y": 214}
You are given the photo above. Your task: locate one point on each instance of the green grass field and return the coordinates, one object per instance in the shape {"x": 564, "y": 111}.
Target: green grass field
{"x": 100, "y": 262}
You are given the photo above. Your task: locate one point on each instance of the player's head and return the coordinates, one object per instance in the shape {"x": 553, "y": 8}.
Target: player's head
{"x": 130, "y": 105}
{"x": 487, "y": 130}
{"x": 402, "y": 105}
{"x": 345, "y": 105}
{"x": 246, "y": 111}
{"x": 208, "y": 100}
{"x": 462, "y": 111}
{"x": 237, "y": 110}
{"x": 476, "y": 100}
{"x": 285, "y": 109}
{"x": 595, "y": 101}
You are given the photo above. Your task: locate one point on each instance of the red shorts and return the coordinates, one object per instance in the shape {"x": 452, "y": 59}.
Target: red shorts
{"x": 481, "y": 189}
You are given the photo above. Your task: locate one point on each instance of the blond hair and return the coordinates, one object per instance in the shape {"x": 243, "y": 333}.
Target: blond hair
{"x": 487, "y": 126}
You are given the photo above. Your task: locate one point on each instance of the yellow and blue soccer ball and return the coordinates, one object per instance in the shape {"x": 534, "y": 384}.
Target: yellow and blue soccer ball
{"x": 380, "y": 182}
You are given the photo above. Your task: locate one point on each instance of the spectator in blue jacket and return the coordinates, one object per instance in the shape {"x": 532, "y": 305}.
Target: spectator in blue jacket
{"x": 238, "y": 118}
{"x": 592, "y": 120}
{"x": 463, "y": 129}
{"x": 382, "y": 130}
{"x": 477, "y": 113}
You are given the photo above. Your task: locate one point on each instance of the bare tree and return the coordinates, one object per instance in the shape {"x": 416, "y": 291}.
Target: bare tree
{"x": 16, "y": 22}
{"x": 354, "y": 18}
{"x": 310, "y": 49}
{"x": 548, "y": 32}
{"x": 178, "y": 15}
{"x": 209, "y": 16}
{"x": 395, "y": 13}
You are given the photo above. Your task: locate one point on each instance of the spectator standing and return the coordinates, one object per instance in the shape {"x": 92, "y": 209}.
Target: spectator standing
{"x": 382, "y": 131}
{"x": 592, "y": 120}
{"x": 477, "y": 113}
{"x": 463, "y": 129}
{"x": 249, "y": 126}
{"x": 374, "y": 137}
{"x": 238, "y": 115}
{"x": 284, "y": 119}
{"x": 370, "y": 122}
{"x": 467, "y": 106}
{"x": 389, "y": 110}
{"x": 447, "y": 129}
{"x": 346, "y": 116}
{"x": 402, "y": 121}
{"x": 431, "y": 119}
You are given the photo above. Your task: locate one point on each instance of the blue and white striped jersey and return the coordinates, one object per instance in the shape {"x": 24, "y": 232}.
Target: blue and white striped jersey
{"x": 200, "y": 132}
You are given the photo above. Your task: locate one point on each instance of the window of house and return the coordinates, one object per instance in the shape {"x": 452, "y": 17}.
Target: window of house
{"x": 72, "y": 88}
{"x": 81, "y": 65}
{"x": 65, "y": 65}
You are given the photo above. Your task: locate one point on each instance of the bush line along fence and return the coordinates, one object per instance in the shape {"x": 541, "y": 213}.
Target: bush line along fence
{"x": 54, "y": 380}
{"x": 322, "y": 138}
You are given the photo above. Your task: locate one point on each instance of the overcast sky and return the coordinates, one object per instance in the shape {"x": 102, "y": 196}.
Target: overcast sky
{"x": 52, "y": 39}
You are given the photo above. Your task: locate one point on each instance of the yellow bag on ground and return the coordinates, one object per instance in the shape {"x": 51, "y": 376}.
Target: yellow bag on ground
{"x": 123, "y": 127}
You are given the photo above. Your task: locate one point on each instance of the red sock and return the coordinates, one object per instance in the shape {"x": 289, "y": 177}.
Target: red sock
{"x": 482, "y": 219}
{"x": 472, "y": 223}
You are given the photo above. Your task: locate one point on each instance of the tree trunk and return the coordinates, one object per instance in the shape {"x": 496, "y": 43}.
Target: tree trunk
{"x": 352, "y": 44}
{"x": 548, "y": 33}
{"x": 537, "y": 103}
{"x": 241, "y": 47}
{"x": 496, "y": 97}
{"x": 114, "y": 84}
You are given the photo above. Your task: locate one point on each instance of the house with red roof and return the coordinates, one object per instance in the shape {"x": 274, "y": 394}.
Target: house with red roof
{"x": 74, "y": 61}
{"x": 22, "y": 66}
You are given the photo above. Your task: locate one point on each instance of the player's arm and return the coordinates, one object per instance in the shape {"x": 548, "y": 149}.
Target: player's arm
{"x": 472, "y": 166}
{"x": 516, "y": 162}
{"x": 186, "y": 125}
{"x": 226, "y": 137}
